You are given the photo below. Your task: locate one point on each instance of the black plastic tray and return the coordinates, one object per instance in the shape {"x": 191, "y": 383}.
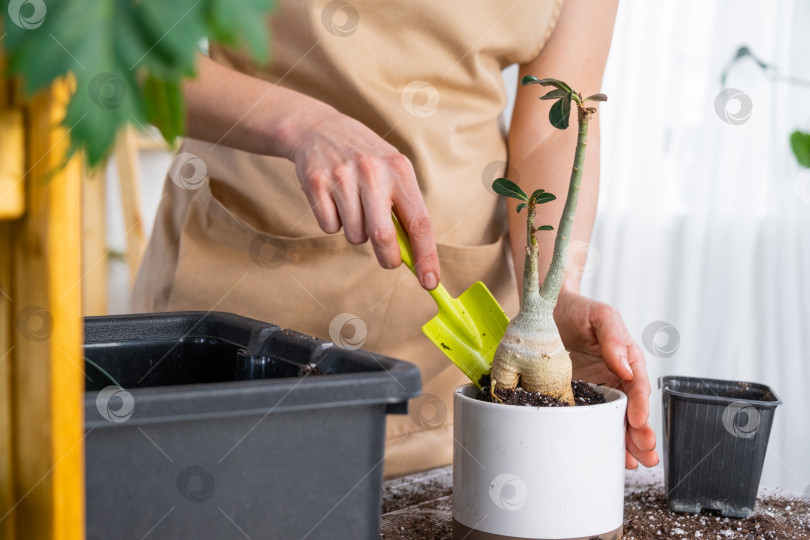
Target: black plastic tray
{"x": 215, "y": 435}
{"x": 715, "y": 437}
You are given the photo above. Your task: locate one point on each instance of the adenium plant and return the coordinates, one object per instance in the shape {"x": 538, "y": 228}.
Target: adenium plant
{"x": 531, "y": 352}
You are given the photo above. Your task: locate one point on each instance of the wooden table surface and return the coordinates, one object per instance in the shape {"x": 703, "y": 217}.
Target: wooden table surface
{"x": 420, "y": 506}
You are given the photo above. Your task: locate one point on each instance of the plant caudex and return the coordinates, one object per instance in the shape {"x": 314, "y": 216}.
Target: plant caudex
{"x": 531, "y": 352}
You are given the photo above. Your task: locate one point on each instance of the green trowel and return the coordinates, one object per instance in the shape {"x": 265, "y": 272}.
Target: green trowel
{"x": 467, "y": 329}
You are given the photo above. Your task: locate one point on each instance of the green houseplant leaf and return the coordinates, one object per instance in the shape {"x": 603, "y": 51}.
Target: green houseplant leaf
{"x": 165, "y": 108}
{"x": 228, "y": 25}
{"x": 540, "y": 196}
{"x": 544, "y": 198}
{"x": 521, "y": 206}
{"x": 555, "y": 94}
{"x": 128, "y": 58}
{"x": 596, "y": 97}
{"x": 545, "y": 228}
{"x": 536, "y": 193}
{"x": 531, "y": 79}
{"x": 507, "y": 188}
{"x": 800, "y": 144}
{"x": 559, "y": 113}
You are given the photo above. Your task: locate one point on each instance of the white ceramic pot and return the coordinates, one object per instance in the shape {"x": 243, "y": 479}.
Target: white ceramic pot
{"x": 546, "y": 473}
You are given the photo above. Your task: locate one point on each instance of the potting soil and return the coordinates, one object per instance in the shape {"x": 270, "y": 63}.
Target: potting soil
{"x": 583, "y": 395}
{"x": 306, "y": 370}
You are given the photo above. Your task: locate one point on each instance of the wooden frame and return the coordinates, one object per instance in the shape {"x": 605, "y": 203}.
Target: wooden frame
{"x": 41, "y": 362}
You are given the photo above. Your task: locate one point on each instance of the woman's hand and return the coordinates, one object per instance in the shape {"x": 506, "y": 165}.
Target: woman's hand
{"x": 602, "y": 351}
{"x": 353, "y": 178}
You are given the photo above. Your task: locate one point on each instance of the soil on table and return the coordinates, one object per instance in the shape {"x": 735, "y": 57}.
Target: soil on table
{"x": 647, "y": 517}
{"x": 418, "y": 507}
{"x": 427, "y": 490}
{"x": 422, "y": 510}
{"x": 583, "y": 395}
{"x": 430, "y": 520}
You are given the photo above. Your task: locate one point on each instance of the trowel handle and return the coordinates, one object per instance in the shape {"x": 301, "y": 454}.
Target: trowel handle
{"x": 439, "y": 294}
{"x": 404, "y": 245}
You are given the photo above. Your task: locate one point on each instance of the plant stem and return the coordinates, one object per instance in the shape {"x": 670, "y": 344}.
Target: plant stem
{"x": 533, "y": 310}
{"x": 530, "y": 274}
{"x": 552, "y": 285}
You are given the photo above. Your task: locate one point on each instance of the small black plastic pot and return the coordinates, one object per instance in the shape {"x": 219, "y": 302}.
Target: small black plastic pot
{"x": 715, "y": 437}
{"x": 212, "y": 433}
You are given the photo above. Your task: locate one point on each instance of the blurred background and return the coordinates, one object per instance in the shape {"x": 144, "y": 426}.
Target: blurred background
{"x": 702, "y": 239}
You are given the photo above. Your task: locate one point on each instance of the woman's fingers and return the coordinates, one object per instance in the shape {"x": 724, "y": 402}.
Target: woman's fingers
{"x": 643, "y": 437}
{"x": 624, "y": 359}
{"x": 610, "y": 332}
{"x": 413, "y": 215}
{"x": 629, "y": 461}
{"x": 353, "y": 179}
{"x": 420, "y": 234}
{"x": 380, "y": 228}
{"x": 319, "y": 196}
{"x": 638, "y": 390}
{"x": 648, "y": 458}
{"x": 346, "y": 194}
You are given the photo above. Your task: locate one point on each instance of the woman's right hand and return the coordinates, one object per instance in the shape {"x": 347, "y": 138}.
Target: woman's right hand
{"x": 353, "y": 179}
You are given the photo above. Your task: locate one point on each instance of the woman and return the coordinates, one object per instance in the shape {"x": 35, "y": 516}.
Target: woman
{"x": 369, "y": 107}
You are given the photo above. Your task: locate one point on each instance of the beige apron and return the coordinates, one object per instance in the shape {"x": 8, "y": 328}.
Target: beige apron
{"x": 424, "y": 74}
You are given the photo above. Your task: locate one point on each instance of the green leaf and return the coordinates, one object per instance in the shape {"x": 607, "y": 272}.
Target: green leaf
{"x": 507, "y": 188}
{"x": 556, "y": 93}
{"x": 800, "y": 144}
{"x": 559, "y": 113}
{"x": 596, "y": 97}
{"x": 521, "y": 206}
{"x": 165, "y": 108}
{"x": 229, "y": 26}
{"x": 536, "y": 193}
{"x": 544, "y": 198}
{"x": 544, "y": 228}
{"x": 555, "y": 83}
{"x": 97, "y": 110}
{"x": 129, "y": 57}
{"x": 531, "y": 79}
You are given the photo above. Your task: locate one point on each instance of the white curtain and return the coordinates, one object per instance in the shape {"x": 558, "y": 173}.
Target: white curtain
{"x": 704, "y": 224}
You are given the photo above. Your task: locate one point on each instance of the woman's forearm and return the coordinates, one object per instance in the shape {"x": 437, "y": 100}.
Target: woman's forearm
{"x": 246, "y": 113}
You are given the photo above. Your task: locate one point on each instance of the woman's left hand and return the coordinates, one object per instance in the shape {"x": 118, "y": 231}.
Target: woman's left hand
{"x": 602, "y": 351}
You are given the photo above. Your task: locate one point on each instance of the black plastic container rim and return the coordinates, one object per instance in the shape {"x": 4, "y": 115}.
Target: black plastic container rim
{"x": 388, "y": 382}
{"x": 767, "y": 404}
